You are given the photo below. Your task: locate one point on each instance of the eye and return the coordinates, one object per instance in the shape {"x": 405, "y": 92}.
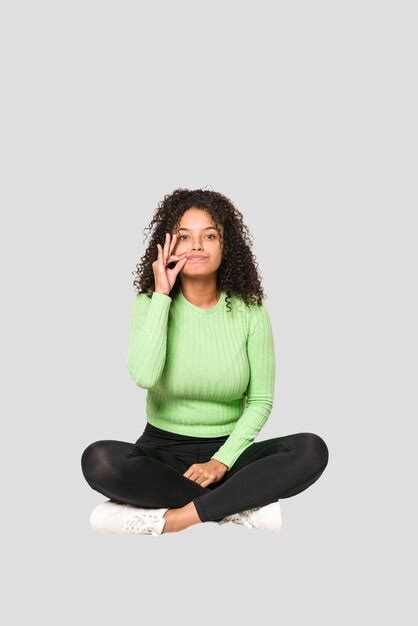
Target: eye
{"x": 181, "y": 236}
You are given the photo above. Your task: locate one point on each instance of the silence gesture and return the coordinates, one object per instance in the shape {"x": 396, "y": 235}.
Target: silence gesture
{"x": 164, "y": 278}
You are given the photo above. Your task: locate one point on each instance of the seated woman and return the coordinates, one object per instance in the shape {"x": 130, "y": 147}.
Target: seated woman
{"x": 201, "y": 343}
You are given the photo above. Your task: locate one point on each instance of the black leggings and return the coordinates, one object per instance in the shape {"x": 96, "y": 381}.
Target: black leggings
{"x": 149, "y": 473}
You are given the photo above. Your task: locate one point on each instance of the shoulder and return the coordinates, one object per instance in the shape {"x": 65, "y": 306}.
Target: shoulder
{"x": 141, "y": 298}
{"x": 140, "y": 302}
{"x": 255, "y": 315}
{"x": 259, "y": 316}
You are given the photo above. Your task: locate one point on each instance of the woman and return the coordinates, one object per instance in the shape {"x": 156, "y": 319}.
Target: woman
{"x": 201, "y": 343}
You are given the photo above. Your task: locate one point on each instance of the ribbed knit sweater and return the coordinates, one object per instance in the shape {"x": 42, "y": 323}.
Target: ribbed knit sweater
{"x": 208, "y": 372}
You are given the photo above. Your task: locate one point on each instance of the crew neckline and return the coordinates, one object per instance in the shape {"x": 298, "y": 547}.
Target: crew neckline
{"x": 186, "y": 303}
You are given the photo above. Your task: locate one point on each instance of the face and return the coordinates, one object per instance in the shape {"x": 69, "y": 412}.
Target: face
{"x": 197, "y": 234}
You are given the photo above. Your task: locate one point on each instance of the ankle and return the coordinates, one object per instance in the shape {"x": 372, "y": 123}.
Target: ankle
{"x": 180, "y": 518}
{"x": 172, "y": 521}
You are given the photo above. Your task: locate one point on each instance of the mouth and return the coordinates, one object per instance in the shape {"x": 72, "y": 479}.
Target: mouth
{"x": 196, "y": 258}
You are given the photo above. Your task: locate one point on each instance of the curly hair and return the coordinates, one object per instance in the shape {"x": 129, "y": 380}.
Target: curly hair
{"x": 237, "y": 274}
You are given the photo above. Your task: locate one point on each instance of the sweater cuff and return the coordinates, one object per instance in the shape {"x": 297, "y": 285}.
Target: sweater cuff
{"x": 158, "y": 311}
{"x": 230, "y": 453}
{"x": 159, "y": 306}
{"x": 157, "y": 295}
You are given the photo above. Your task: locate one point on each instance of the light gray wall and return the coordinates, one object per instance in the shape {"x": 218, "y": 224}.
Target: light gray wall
{"x": 304, "y": 114}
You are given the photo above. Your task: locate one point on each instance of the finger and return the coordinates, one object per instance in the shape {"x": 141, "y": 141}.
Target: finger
{"x": 175, "y": 257}
{"x": 200, "y": 480}
{"x": 194, "y": 475}
{"x": 179, "y": 266}
{"x": 166, "y": 247}
{"x": 172, "y": 244}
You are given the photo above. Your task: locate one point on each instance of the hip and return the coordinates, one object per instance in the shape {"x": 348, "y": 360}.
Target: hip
{"x": 190, "y": 449}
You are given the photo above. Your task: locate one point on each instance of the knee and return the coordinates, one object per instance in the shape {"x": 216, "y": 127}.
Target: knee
{"x": 318, "y": 450}
{"x": 94, "y": 461}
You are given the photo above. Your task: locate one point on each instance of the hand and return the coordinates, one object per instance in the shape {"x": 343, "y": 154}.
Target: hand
{"x": 165, "y": 278}
{"x": 206, "y": 473}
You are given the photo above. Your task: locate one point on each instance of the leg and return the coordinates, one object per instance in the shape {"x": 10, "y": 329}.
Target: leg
{"x": 114, "y": 469}
{"x": 265, "y": 472}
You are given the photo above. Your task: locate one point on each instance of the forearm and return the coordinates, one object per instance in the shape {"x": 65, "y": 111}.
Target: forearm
{"x": 148, "y": 339}
{"x": 246, "y": 430}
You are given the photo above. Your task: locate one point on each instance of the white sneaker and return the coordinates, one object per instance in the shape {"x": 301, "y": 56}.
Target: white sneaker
{"x": 112, "y": 517}
{"x": 268, "y": 518}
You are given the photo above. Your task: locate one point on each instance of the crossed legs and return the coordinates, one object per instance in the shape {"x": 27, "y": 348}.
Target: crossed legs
{"x": 265, "y": 472}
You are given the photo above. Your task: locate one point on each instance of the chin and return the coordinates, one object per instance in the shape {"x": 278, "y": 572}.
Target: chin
{"x": 194, "y": 272}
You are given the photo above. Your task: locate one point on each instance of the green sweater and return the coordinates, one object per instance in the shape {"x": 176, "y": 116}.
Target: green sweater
{"x": 208, "y": 372}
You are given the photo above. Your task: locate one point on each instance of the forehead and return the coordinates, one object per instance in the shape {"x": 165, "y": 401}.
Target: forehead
{"x": 196, "y": 219}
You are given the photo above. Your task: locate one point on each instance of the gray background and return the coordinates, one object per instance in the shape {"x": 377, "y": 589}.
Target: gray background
{"x": 304, "y": 114}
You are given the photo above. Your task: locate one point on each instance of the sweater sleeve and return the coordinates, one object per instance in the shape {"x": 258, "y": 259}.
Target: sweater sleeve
{"x": 148, "y": 338}
{"x": 260, "y": 389}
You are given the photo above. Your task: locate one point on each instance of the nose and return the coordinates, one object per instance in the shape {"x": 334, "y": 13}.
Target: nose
{"x": 196, "y": 245}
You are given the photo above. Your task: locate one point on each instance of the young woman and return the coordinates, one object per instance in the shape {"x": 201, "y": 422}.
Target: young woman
{"x": 201, "y": 343}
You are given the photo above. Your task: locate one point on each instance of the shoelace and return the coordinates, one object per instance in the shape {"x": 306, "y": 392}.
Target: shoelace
{"x": 242, "y": 518}
{"x": 137, "y": 524}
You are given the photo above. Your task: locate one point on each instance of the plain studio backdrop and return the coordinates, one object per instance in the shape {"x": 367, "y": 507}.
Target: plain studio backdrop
{"x": 304, "y": 115}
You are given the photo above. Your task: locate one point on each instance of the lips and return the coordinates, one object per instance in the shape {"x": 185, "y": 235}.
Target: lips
{"x": 196, "y": 258}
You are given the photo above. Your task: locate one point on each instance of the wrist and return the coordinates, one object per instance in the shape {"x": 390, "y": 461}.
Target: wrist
{"x": 161, "y": 291}
{"x": 221, "y": 464}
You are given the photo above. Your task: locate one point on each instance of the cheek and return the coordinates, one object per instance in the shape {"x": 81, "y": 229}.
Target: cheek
{"x": 216, "y": 255}
{"x": 214, "y": 250}
{"x": 179, "y": 247}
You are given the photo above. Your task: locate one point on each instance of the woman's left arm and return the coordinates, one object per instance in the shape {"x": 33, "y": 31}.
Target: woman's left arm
{"x": 260, "y": 390}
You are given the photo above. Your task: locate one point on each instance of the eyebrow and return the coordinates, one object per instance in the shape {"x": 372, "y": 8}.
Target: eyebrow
{"x": 207, "y": 228}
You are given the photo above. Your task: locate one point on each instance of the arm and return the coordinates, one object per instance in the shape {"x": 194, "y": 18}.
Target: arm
{"x": 260, "y": 390}
{"x": 148, "y": 338}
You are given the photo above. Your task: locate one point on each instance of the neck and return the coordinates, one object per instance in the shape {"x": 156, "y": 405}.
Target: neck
{"x": 204, "y": 294}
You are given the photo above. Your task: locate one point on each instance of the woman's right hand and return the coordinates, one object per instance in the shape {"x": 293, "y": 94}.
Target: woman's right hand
{"x": 165, "y": 278}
